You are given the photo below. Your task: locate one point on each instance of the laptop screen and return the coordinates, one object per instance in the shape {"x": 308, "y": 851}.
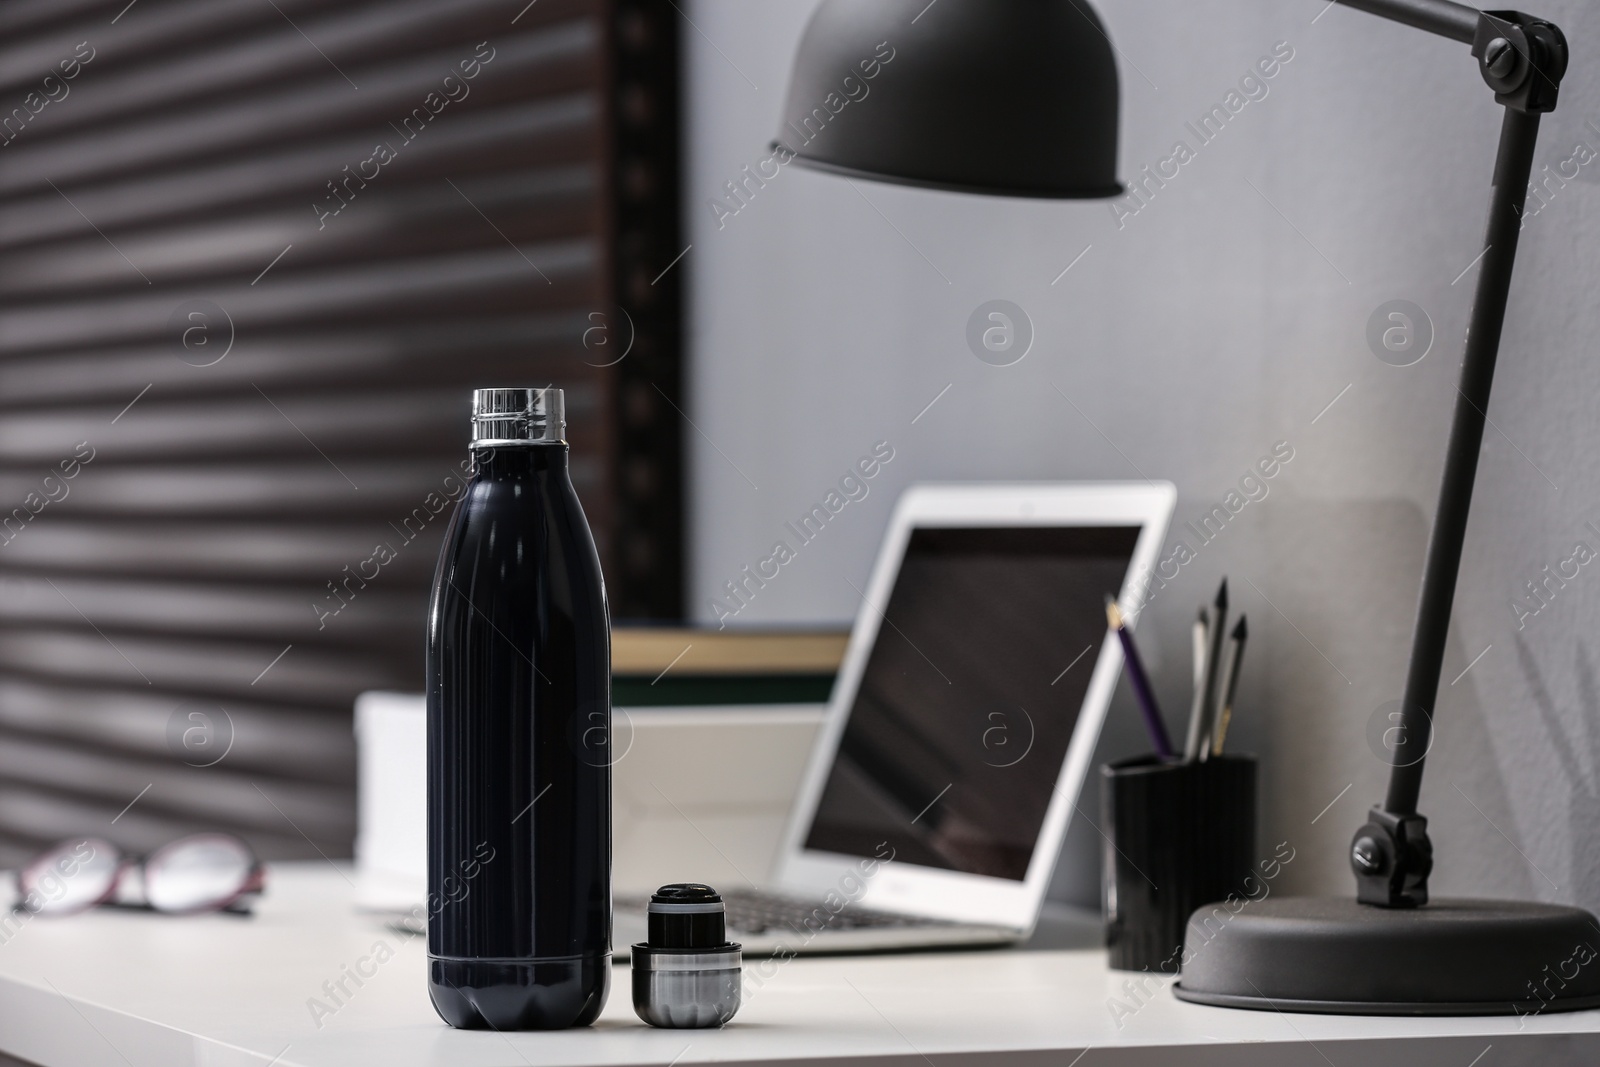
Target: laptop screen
{"x": 960, "y": 725}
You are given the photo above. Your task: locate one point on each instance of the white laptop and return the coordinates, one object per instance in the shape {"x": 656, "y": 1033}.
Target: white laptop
{"x": 962, "y": 723}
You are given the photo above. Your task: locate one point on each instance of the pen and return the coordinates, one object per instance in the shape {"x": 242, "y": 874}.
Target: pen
{"x": 1198, "y": 636}
{"x": 1236, "y": 640}
{"x": 1191, "y": 745}
{"x": 1140, "y": 682}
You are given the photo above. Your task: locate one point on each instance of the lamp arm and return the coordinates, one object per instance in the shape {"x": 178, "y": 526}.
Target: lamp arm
{"x": 1456, "y": 21}
{"x": 1391, "y": 855}
{"x": 1523, "y": 59}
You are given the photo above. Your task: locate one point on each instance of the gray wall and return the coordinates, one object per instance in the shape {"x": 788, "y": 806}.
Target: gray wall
{"x": 1223, "y": 317}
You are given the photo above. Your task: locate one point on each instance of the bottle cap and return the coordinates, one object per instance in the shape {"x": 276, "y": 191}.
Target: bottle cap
{"x": 518, "y": 417}
{"x": 688, "y": 975}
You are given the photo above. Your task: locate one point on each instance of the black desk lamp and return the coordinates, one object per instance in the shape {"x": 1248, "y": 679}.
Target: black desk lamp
{"x": 1019, "y": 98}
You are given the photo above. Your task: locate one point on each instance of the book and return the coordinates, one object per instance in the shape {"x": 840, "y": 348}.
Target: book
{"x": 656, "y": 666}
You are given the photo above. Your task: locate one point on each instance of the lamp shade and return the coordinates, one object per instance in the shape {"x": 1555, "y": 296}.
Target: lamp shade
{"x": 1005, "y": 97}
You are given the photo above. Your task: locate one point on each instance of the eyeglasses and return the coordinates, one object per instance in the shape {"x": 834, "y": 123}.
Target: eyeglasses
{"x": 199, "y": 873}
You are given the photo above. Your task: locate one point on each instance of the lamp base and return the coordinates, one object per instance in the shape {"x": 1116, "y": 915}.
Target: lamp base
{"x": 1334, "y": 956}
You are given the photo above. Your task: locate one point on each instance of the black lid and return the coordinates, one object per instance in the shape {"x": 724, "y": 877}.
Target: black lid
{"x": 687, "y": 915}
{"x": 685, "y": 893}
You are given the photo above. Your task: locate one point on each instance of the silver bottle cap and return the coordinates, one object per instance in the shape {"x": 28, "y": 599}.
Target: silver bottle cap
{"x": 694, "y": 990}
{"x": 518, "y": 417}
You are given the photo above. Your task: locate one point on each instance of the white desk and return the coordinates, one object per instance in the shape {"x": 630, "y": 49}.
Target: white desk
{"x": 131, "y": 989}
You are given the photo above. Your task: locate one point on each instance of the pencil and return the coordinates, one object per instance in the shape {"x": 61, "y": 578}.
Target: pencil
{"x": 1241, "y": 633}
{"x": 1141, "y": 683}
{"x": 1210, "y": 695}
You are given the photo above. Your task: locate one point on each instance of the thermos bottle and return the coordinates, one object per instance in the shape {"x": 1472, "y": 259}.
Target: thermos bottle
{"x": 519, "y": 707}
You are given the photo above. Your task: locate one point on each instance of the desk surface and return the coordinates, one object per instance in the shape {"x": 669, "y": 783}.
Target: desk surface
{"x": 120, "y": 987}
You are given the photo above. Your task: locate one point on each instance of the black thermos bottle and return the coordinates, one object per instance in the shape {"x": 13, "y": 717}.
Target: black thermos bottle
{"x": 519, "y": 712}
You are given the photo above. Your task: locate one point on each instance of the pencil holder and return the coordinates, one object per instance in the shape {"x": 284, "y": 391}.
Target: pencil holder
{"x": 1178, "y": 835}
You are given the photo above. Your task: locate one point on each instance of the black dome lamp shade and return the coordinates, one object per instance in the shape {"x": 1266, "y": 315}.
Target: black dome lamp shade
{"x": 1019, "y": 98}
{"x": 1005, "y": 97}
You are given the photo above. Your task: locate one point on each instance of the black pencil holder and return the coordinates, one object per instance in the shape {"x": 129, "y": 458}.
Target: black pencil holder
{"x": 1178, "y": 835}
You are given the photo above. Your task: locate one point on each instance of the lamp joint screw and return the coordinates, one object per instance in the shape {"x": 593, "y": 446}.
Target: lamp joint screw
{"x": 1499, "y": 57}
{"x": 1367, "y": 855}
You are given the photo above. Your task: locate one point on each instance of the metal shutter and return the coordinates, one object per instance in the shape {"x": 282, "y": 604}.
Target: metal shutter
{"x": 237, "y": 340}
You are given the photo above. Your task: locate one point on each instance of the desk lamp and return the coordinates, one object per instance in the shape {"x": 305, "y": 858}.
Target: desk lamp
{"x": 1020, "y": 98}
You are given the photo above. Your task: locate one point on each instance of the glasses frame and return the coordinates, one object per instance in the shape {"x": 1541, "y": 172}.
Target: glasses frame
{"x": 254, "y": 881}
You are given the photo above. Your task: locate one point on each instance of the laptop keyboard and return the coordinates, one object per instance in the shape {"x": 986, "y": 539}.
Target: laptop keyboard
{"x": 754, "y": 912}
{"x": 760, "y": 912}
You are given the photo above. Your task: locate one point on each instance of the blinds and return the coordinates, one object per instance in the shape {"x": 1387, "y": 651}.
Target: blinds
{"x": 253, "y": 258}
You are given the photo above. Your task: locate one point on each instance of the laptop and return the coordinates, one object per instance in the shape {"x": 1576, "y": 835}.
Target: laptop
{"x": 962, "y": 723}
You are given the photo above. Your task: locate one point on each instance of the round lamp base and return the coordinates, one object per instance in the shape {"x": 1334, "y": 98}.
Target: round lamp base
{"x": 1332, "y": 955}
